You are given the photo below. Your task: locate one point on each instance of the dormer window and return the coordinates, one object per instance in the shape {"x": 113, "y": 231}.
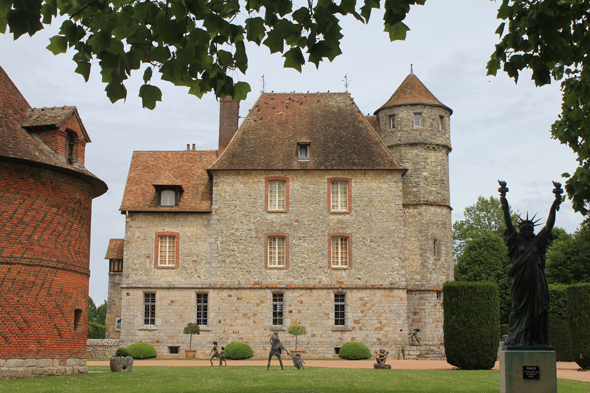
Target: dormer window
{"x": 168, "y": 198}
{"x": 303, "y": 151}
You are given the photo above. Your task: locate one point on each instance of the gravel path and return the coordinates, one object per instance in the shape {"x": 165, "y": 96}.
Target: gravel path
{"x": 566, "y": 370}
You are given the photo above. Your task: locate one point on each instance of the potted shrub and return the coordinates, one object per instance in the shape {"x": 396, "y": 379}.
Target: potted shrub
{"x": 296, "y": 330}
{"x": 122, "y": 361}
{"x": 191, "y": 328}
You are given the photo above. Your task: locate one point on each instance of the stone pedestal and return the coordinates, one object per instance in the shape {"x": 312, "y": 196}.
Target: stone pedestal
{"x": 528, "y": 372}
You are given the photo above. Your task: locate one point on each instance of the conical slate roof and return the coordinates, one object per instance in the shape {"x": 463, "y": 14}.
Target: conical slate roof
{"x": 412, "y": 92}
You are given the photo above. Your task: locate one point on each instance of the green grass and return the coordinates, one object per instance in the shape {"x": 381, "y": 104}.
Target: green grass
{"x": 257, "y": 379}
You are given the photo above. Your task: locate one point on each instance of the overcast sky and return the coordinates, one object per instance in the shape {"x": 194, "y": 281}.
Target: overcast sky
{"x": 499, "y": 130}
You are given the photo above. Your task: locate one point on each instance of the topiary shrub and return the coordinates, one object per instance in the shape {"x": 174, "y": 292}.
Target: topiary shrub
{"x": 95, "y": 330}
{"x": 238, "y": 351}
{"x": 578, "y": 309}
{"x": 471, "y": 324}
{"x": 122, "y": 352}
{"x": 142, "y": 351}
{"x": 354, "y": 351}
{"x": 559, "y": 333}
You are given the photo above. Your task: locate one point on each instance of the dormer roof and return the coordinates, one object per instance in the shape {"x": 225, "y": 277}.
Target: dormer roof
{"x": 150, "y": 170}
{"x": 412, "y": 92}
{"x": 16, "y": 144}
{"x": 115, "y": 249}
{"x": 338, "y": 135}
{"x": 53, "y": 117}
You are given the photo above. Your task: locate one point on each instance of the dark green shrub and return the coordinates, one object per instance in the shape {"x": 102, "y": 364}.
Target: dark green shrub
{"x": 354, "y": 350}
{"x": 578, "y": 308}
{"x": 503, "y": 331}
{"x": 559, "y": 333}
{"x": 238, "y": 351}
{"x": 122, "y": 352}
{"x": 95, "y": 330}
{"x": 471, "y": 324}
{"x": 142, "y": 351}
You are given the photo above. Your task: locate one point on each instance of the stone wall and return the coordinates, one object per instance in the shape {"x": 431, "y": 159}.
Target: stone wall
{"x": 101, "y": 348}
{"x": 28, "y": 368}
{"x": 375, "y": 317}
{"x": 113, "y": 305}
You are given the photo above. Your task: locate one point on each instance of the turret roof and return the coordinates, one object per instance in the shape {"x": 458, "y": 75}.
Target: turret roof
{"x": 412, "y": 92}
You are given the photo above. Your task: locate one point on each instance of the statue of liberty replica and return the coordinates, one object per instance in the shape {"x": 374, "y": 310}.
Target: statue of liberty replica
{"x": 528, "y": 325}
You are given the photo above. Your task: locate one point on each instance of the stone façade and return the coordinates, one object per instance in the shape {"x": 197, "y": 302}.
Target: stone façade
{"x": 398, "y": 226}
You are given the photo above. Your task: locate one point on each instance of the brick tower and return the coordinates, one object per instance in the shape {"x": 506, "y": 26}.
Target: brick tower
{"x": 45, "y": 207}
{"x": 415, "y": 126}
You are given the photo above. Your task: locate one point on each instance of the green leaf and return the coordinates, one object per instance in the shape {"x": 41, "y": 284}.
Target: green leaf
{"x": 147, "y": 75}
{"x": 116, "y": 91}
{"x": 149, "y": 96}
{"x": 241, "y": 90}
{"x": 58, "y": 44}
{"x": 397, "y": 31}
{"x": 294, "y": 59}
{"x": 255, "y": 30}
{"x": 493, "y": 66}
{"x": 274, "y": 41}
{"x": 83, "y": 69}
{"x": 100, "y": 41}
{"x": 160, "y": 54}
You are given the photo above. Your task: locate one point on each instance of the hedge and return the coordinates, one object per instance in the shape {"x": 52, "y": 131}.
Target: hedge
{"x": 95, "y": 330}
{"x": 578, "y": 308}
{"x": 354, "y": 350}
{"x": 471, "y": 324}
{"x": 559, "y": 333}
{"x": 142, "y": 351}
{"x": 238, "y": 351}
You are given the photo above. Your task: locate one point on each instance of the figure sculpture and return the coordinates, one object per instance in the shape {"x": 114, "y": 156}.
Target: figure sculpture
{"x": 380, "y": 357}
{"x": 414, "y": 336}
{"x": 214, "y": 353}
{"x": 528, "y": 321}
{"x": 298, "y": 362}
{"x": 222, "y": 357}
{"x": 275, "y": 349}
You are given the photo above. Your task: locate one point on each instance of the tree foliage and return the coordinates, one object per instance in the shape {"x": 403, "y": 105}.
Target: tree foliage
{"x": 484, "y": 217}
{"x": 486, "y": 259}
{"x": 568, "y": 259}
{"x": 552, "y": 38}
{"x": 193, "y": 43}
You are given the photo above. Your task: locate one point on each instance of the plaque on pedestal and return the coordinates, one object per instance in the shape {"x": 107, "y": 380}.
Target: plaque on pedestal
{"x": 528, "y": 372}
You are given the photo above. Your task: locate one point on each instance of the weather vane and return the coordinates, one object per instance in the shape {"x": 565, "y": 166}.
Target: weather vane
{"x": 263, "y": 83}
{"x": 346, "y": 82}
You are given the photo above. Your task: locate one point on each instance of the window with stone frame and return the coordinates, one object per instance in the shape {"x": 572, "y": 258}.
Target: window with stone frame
{"x": 392, "y": 122}
{"x": 276, "y": 250}
{"x": 339, "y": 309}
{"x": 435, "y": 250}
{"x": 339, "y": 195}
{"x": 167, "y": 198}
{"x": 202, "y": 309}
{"x": 118, "y": 324}
{"x": 167, "y": 250}
{"x": 278, "y": 307}
{"x": 149, "y": 309}
{"x": 441, "y": 122}
{"x": 277, "y": 194}
{"x": 340, "y": 250}
{"x": 417, "y": 119}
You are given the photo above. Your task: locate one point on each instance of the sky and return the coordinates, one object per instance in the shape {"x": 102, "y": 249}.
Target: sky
{"x": 499, "y": 129}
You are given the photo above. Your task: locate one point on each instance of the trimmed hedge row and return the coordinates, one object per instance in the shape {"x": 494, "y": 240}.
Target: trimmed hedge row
{"x": 142, "y": 351}
{"x": 559, "y": 333}
{"x": 578, "y": 306}
{"x": 95, "y": 330}
{"x": 354, "y": 350}
{"x": 471, "y": 324}
{"x": 238, "y": 351}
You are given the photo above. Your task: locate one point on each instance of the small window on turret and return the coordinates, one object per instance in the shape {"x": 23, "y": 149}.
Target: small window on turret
{"x": 392, "y": 122}
{"x": 441, "y": 122}
{"x": 417, "y": 119}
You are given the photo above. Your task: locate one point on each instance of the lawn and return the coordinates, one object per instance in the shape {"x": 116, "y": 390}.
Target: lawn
{"x": 257, "y": 379}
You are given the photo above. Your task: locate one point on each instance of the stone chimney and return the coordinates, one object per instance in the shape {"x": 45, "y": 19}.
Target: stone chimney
{"x": 229, "y": 112}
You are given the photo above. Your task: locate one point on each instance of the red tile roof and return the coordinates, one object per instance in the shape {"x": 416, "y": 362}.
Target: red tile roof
{"x": 18, "y": 145}
{"x": 187, "y": 167}
{"x": 52, "y": 117}
{"x": 116, "y": 248}
{"x": 338, "y": 134}
{"x": 413, "y": 92}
